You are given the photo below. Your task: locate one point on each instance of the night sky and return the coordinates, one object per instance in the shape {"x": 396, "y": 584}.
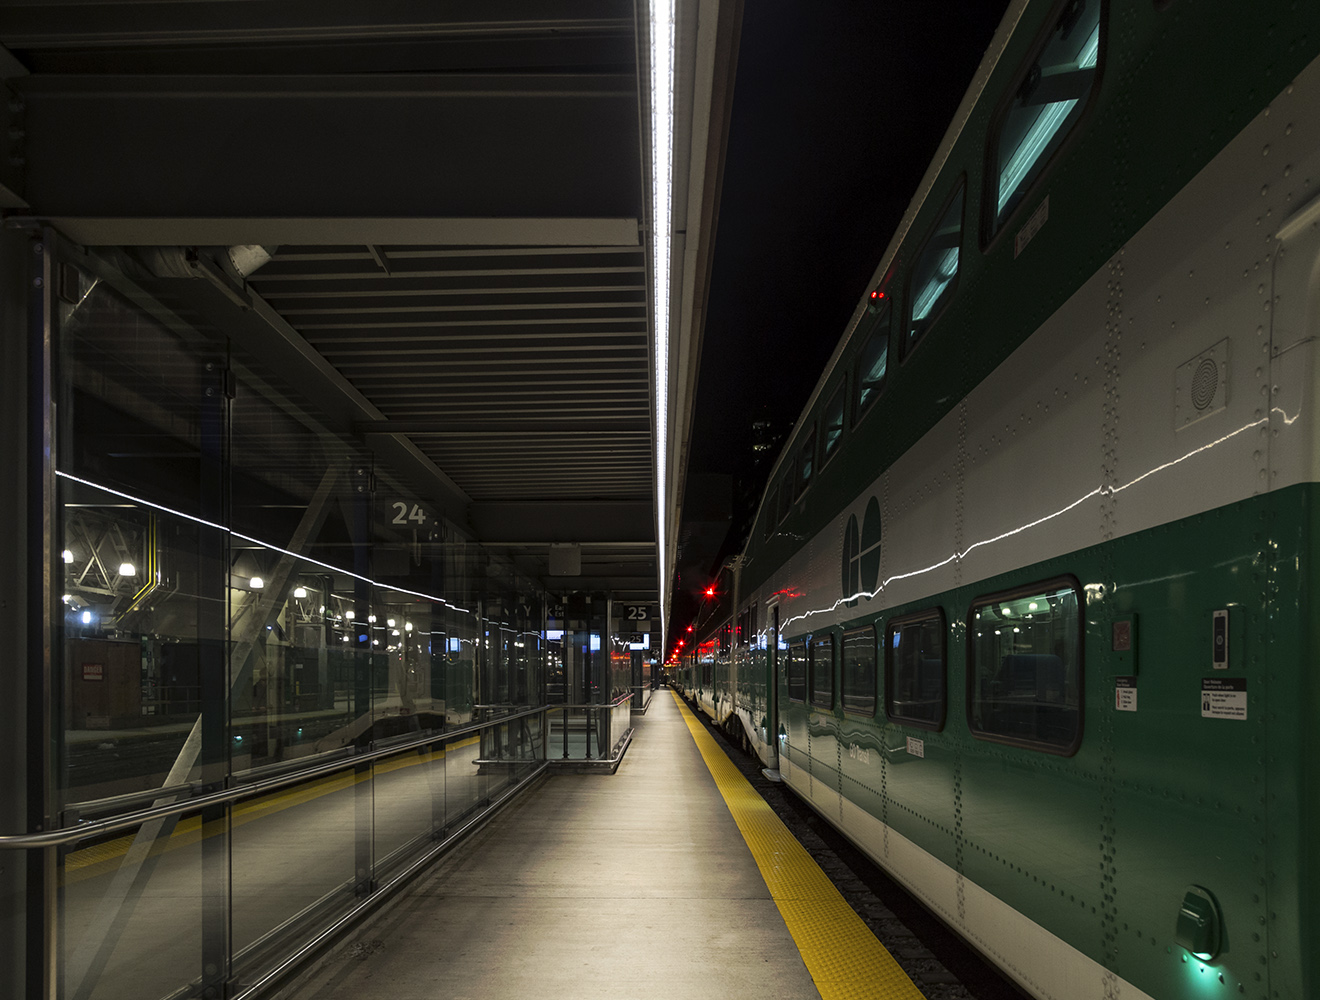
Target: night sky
{"x": 838, "y": 107}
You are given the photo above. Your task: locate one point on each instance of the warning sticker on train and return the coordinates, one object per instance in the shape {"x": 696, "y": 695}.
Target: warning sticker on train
{"x": 1224, "y": 698}
{"x": 1125, "y": 694}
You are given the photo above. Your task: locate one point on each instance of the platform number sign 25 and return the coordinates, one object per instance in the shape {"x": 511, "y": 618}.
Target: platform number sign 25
{"x": 408, "y": 514}
{"x": 638, "y": 612}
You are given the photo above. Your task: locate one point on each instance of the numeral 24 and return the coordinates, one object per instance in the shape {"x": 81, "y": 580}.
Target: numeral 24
{"x": 402, "y": 515}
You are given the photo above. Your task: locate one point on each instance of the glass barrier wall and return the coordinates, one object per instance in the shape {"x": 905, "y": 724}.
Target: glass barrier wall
{"x": 257, "y": 615}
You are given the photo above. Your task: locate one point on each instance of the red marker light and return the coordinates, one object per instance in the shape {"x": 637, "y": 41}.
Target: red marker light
{"x": 710, "y": 591}
{"x": 689, "y": 628}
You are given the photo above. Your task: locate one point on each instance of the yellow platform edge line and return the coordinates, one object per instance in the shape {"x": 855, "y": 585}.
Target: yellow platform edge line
{"x": 845, "y": 960}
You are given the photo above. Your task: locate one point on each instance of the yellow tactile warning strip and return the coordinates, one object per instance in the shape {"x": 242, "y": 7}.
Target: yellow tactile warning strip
{"x": 842, "y": 955}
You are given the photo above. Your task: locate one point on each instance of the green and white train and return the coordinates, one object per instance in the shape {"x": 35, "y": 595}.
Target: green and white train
{"x": 1031, "y": 607}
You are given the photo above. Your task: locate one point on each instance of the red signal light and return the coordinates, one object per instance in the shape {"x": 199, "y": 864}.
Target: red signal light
{"x": 689, "y": 628}
{"x": 710, "y": 591}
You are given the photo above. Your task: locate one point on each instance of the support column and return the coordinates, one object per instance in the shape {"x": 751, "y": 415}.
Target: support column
{"x": 14, "y": 744}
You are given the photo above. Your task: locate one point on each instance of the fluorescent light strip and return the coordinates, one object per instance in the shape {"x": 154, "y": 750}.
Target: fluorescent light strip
{"x": 662, "y": 156}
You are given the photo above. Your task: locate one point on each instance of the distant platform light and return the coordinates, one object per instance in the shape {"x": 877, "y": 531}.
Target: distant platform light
{"x": 68, "y": 556}
{"x": 349, "y": 615}
{"x": 389, "y": 622}
{"x": 371, "y": 618}
{"x": 256, "y": 583}
{"x": 127, "y": 569}
{"x": 299, "y": 591}
{"x": 86, "y": 617}
{"x": 407, "y": 627}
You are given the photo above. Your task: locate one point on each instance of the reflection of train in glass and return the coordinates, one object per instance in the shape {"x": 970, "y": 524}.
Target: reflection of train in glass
{"x": 1027, "y": 611}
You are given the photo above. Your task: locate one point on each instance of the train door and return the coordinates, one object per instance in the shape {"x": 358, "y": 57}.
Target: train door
{"x": 772, "y": 687}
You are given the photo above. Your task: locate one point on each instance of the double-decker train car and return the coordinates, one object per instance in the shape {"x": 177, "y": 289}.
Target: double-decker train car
{"x": 1028, "y": 611}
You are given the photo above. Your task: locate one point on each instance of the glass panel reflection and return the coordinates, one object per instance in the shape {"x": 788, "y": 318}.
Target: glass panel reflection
{"x": 133, "y": 909}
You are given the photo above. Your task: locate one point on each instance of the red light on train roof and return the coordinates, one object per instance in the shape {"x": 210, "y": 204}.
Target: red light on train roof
{"x": 710, "y": 591}
{"x": 877, "y": 295}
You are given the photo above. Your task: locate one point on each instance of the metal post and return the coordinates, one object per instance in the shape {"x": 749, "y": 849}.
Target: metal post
{"x": 19, "y": 943}
{"x": 213, "y": 649}
{"x": 364, "y": 668}
{"x": 43, "y": 952}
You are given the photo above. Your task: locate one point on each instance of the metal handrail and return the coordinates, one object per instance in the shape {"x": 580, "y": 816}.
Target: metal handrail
{"x": 96, "y": 828}
{"x": 598, "y": 704}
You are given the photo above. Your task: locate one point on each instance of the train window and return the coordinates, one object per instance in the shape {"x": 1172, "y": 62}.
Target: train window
{"x": 1049, "y": 99}
{"x": 797, "y": 671}
{"x": 872, "y": 363}
{"x": 806, "y": 463}
{"x": 859, "y": 674}
{"x": 822, "y": 672}
{"x": 833, "y": 425}
{"x": 915, "y": 669}
{"x": 1024, "y": 671}
{"x": 935, "y": 271}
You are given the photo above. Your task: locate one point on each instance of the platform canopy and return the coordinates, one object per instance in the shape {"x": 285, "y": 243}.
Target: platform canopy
{"x": 456, "y": 201}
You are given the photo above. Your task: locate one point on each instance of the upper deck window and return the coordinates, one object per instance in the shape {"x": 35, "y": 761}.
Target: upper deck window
{"x": 935, "y": 271}
{"x": 1050, "y": 97}
{"x": 833, "y": 425}
{"x": 872, "y": 363}
{"x": 806, "y": 463}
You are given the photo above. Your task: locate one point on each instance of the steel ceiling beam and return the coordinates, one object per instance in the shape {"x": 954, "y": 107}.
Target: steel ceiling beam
{"x": 370, "y": 159}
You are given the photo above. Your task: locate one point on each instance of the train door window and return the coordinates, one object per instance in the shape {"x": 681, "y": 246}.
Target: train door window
{"x": 797, "y": 671}
{"x": 1024, "y": 671}
{"x": 822, "y": 672}
{"x": 935, "y": 271}
{"x": 915, "y": 669}
{"x": 806, "y": 463}
{"x": 1051, "y": 94}
{"x": 872, "y": 363}
{"x": 833, "y": 425}
{"x": 859, "y": 674}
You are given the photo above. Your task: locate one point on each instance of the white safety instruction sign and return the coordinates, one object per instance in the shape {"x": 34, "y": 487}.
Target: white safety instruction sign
{"x": 1224, "y": 698}
{"x": 1125, "y": 694}
{"x": 916, "y": 747}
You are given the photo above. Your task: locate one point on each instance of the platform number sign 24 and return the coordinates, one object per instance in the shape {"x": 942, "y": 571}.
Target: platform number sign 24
{"x": 405, "y": 516}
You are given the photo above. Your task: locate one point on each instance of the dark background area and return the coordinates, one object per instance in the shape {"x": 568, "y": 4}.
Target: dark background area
{"x": 838, "y": 107}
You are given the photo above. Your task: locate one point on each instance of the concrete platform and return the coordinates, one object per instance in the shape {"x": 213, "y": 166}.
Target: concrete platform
{"x": 632, "y": 886}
